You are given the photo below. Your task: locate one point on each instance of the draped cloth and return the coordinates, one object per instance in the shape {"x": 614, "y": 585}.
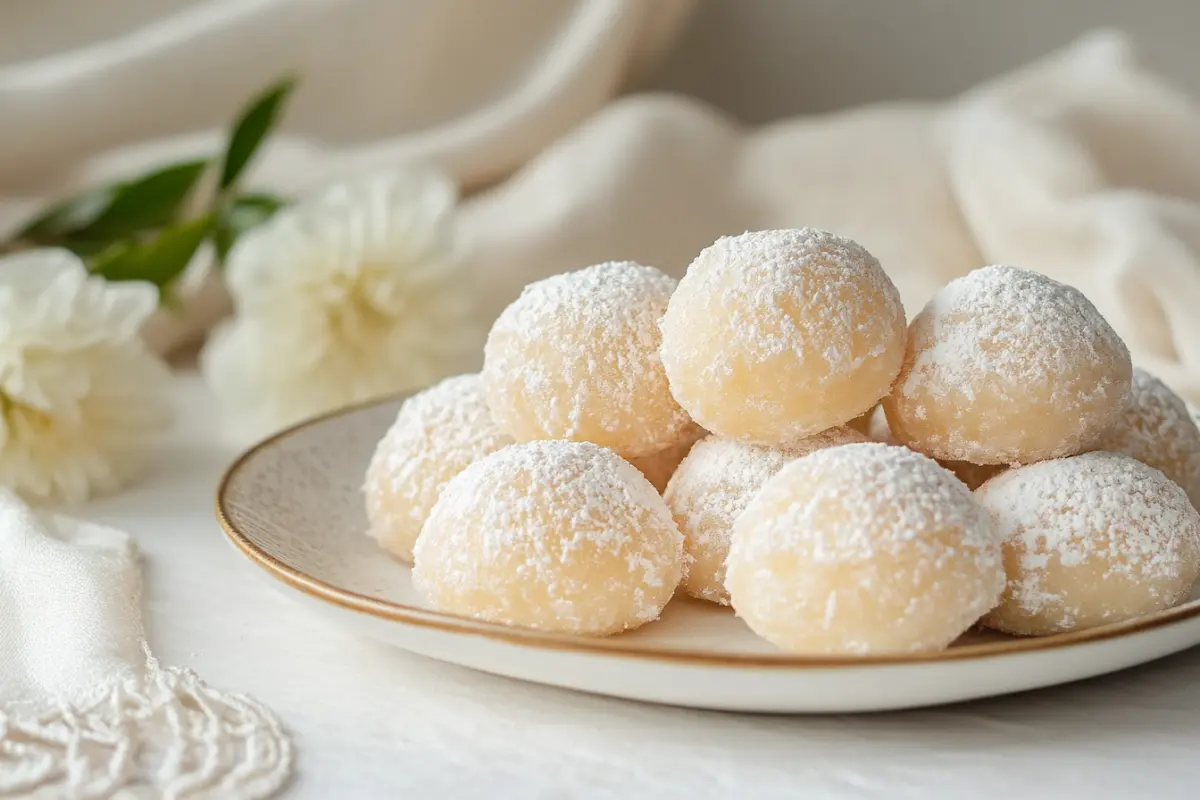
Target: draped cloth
{"x": 1082, "y": 166}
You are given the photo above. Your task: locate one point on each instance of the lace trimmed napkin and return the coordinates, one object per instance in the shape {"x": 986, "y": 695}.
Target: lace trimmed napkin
{"x": 85, "y": 709}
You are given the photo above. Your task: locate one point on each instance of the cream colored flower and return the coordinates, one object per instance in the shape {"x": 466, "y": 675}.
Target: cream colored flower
{"x": 81, "y": 397}
{"x": 352, "y": 295}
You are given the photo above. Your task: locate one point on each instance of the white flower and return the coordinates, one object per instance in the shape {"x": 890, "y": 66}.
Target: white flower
{"x": 352, "y": 295}
{"x": 80, "y": 395}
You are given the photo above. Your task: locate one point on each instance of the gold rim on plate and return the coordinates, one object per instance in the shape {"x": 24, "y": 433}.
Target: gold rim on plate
{"x": 618, "y": 645}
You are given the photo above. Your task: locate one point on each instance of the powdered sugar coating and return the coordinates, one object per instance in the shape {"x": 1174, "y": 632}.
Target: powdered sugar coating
{"x": 576, "y": 357}
{"x": 865, "y": 548}
{"x": 553, "y": 535}
{"x": 1157, "y": 429}
{"x": 1006, "y": 366}
{"x": 1090, "y": 540}
{"x": 438, "y": 433}
{"x": 712, "y": 487}
{"x": 773, "y": 336}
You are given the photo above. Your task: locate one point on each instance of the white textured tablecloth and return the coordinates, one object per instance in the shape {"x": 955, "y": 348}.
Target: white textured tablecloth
{"x": 372, "y": 722}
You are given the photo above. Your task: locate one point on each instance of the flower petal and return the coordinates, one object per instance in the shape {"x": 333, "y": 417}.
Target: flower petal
{"x": 68, "y": 339}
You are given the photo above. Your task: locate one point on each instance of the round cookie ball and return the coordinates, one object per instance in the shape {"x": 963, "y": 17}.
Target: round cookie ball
{"x": 866, "y": 548}
{"x": 1007, "y": 366}
{"x": 774, "y": 336}
{"x": 553, "y": 535}
{"x": 437, "y": 434}
{"x": 1089, "y": 540}
{"x": 659, "y": 467}
{"x": 1157, "y": 429}
{"x": 711, "y": 488}
{"x": 576, "y": 357}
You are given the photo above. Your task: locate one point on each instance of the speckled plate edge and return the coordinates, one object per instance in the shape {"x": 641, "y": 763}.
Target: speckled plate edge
{"x": 617, "y": 645}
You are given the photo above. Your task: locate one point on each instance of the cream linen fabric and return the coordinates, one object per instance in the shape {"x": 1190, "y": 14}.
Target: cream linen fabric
{"x": 1084, "y": 167}
{"x": 85, "y": 710}
{"x": 91, "y": 91}
{"x": 476, "y": 87}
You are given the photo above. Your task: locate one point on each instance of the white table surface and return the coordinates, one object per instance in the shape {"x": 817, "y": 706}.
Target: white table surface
{"x": 370, "y": 721}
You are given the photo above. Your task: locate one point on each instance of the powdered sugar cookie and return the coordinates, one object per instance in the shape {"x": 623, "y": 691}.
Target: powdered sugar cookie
{"x": 866, "y": 548}
{"x": 1090, "y": 540}
{"x": 1005, "y": 366}
{"x": 1157, "y": 429}
{"x": 576, "y": 357}
{"x": 438, "y": 433}
{"x": 774, "y": 336}
{"x": 553, "y": 535}
{"x": 711, "y": 488}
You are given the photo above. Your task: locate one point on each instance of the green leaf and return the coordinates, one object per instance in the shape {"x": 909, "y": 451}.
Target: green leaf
{"x": 151, "y": 201}
{"x": 89, "y": 221}
{"x": 87, "y": 248}
{"x": 68, "y": 216}
{"x": 251, "y": 128}
{"x": 103, "y": 254}
{"x": 261, "y": 202}
{"x": 246, "y": 212}
{"x": 160, "y": 260}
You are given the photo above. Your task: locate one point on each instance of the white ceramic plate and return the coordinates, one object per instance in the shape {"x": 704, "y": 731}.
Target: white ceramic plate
{"x": 293, "y": 506}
